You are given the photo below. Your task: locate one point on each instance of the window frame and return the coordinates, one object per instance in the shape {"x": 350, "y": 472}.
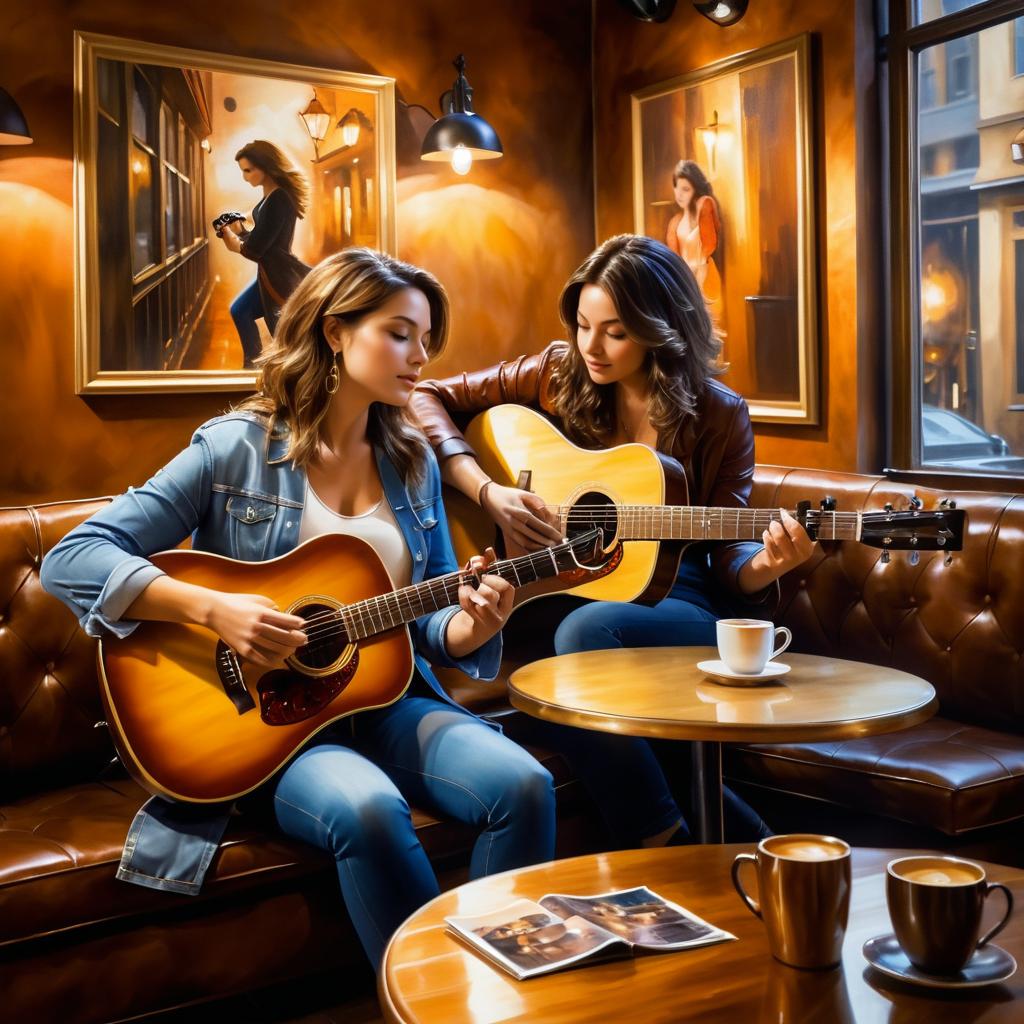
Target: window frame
{"x": 898, "y": 54}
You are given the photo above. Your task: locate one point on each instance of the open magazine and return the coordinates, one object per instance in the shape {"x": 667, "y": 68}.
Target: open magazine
{"x": 527, "y": 938}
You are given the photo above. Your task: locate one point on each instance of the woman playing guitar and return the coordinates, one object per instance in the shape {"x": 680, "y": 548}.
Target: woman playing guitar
{"x": 640, "y": 366}
{"x": 326, "y": 446}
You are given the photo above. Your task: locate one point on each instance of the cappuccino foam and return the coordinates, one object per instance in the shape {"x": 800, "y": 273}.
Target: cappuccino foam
{"x": 806, "y": 849}
{"x": 951, "y": 875}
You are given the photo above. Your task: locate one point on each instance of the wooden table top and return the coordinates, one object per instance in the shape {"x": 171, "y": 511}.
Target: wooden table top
{"x": 428, "y": 977}
{"x": 659, "y": 691}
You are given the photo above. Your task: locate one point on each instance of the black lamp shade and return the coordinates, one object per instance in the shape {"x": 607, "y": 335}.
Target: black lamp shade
{"x": 468, "y": 130}
{"x": 13, "y": 128}
{"x": 722, "y": 12}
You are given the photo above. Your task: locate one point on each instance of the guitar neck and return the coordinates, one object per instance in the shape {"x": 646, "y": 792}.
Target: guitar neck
{"x": 697, "y": 522}
{"x": 378, "y": 614}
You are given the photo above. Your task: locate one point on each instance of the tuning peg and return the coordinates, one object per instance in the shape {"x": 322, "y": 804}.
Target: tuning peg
{"x": 915, "y": 503}
{"x": 828, "y": 503}
{"x": 947, "y": 503}
{"x": 949, "y": 558}
{"x": 915, "y": 557}
{"x": 887, "y": 506}
{"x": 885, "y": 558}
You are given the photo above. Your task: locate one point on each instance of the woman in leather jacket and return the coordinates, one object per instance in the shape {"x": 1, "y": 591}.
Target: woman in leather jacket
{"x": 640, "y": 366}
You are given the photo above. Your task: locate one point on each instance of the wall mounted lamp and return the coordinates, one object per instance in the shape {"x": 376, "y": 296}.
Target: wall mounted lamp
{"x": 317, "y": 121}
{"x": 350, "y": 126}
{"x": 650, "y": 10}
{"x": 1017, "y": 147}
{"x": 459, "y": 135}
{"x": 709, "y": 136}
{"x": 722, "y": 12}
{"x": 13, "y": 126}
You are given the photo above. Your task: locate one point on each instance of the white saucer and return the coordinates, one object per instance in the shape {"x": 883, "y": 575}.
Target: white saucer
{"x": 719, "y": 670}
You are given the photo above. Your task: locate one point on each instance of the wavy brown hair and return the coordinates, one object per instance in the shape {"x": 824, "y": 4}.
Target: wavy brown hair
{"x": 661, "y": 308}
{"x": 349, "y": 285}
{"x": 274, "y": 164}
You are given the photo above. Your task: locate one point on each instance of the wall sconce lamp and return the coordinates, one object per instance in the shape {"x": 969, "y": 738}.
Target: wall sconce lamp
{"x": 13, "y": 127}
{"x": 709, "y": 136}
{"x": 350, "y": 125}
{"x": 650, "y": 10}
{"x": 459, "y": 135}
{"x": 317, "y": 121}
{"x": 722, "y": 12}
{"x": 1017, "y": 147}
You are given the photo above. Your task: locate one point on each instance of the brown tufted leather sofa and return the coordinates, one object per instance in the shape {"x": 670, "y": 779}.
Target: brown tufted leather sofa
{"x": 76, "y": 945}
{"x": 959, "y": 626}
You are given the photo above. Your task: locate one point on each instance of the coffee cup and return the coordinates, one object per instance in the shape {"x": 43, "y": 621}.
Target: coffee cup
{"x": 746, "y": 645}
{"x": 935, "y": 904}
{"x": 803, "y": 883}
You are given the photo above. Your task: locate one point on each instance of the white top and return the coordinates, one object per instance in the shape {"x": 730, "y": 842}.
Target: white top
{"x": 376, "y": 526}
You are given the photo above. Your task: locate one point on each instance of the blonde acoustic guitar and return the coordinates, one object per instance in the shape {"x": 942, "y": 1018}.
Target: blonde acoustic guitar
{"x": 192, "y": 721}
{"x": 639, "y": 496}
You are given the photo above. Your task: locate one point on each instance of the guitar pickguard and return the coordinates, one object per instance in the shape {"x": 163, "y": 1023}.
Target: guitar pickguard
{"x": 290, "y": 697}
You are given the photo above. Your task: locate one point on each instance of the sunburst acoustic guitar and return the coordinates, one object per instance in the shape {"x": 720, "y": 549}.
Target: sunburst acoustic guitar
{"x": 640, "y": 496}
{"x": 194, "y": 722}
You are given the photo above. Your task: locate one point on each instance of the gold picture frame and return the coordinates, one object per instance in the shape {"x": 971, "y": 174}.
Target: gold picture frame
{"x": 156, "y": 132}
{"x": 746, "y": 124}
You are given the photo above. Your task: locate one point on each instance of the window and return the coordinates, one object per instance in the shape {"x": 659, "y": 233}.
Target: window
{"x": 1018, "y": 47}
{"x": 957, "y": 280}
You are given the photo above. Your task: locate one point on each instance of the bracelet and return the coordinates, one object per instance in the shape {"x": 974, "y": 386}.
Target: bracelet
{"x": 480, "y": 492}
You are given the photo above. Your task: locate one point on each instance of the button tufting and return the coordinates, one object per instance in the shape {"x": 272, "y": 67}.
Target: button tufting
{"x": 49, "y": 667}
{"x": 988, "y": 599}
{"x": 913, "y": 600}
{"x": 803, "y": 584}
{"x": 948, "y": 648}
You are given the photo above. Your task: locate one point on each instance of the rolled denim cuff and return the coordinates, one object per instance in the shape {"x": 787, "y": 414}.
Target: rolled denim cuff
{"x": 483, "y": 663}
{"x": 129, "y": 579}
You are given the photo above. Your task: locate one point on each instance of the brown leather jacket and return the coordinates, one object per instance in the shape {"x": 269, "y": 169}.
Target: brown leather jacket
{"x": 716, "y": 448}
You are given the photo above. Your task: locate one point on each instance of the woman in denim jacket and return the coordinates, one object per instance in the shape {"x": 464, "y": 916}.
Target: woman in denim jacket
{"x": 325, "y": 446}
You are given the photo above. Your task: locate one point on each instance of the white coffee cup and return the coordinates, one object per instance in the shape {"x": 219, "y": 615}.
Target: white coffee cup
{"x": 745, "y": 645}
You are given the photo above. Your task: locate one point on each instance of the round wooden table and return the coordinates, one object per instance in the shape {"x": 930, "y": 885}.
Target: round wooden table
{"x": 429, "y": 977}
{"x": 660, "y": 692}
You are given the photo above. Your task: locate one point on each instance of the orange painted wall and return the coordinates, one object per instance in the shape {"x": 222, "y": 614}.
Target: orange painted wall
{"x": 629, "y": 55}
{"x": 503, "y": 240}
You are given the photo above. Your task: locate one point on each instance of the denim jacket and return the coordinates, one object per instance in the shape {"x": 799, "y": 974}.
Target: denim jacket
{"x": 236, "y": 493}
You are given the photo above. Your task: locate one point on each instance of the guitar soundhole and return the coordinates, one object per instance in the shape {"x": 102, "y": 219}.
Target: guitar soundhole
{"x": 326, "y": 635}
{"x": 289, "y": 697}
{"x": 593, "y": 509}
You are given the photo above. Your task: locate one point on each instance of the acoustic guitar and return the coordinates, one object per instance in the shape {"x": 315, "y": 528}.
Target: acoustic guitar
{"x": 641, "y": 496}
{"x": 192, "y": 721}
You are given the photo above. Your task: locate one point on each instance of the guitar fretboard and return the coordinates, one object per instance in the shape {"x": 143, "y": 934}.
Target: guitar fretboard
{"x": 698, "y": 522}
{"x": 378, "y": 614}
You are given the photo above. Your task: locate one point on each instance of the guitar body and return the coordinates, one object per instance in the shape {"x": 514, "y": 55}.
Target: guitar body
{"x": 185, "y": 734}
{"x": 517, "y": 447}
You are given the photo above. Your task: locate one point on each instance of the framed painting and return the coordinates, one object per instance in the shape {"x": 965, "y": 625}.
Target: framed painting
{"x": 723, "y": 174}
{"x": 206, "y": 186}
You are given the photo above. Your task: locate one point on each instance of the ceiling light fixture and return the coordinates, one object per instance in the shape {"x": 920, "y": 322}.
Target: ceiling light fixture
{"x": 722, "y": 12}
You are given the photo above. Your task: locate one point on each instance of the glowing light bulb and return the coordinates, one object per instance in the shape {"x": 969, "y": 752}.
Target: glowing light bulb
{"x": 350, "y": 132}
{"x": 462, "y": 159}
{"x": 721, "y": 11}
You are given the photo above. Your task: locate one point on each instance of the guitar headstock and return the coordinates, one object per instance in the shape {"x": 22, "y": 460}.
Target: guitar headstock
{"x": 915, "y": 529}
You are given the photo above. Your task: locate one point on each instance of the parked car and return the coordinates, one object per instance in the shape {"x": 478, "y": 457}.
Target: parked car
{"x": 951, "y": 440}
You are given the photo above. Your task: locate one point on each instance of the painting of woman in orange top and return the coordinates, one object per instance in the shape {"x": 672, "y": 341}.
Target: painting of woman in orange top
{"x": 694, "y": 232}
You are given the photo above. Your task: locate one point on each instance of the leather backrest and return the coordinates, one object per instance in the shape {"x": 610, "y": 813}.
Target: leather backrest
{"x": 961, "y": 626}
{"x": 49, "y": 697}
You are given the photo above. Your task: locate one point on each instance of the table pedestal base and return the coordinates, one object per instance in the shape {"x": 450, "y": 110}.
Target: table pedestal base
{"x": 706, "y": 780}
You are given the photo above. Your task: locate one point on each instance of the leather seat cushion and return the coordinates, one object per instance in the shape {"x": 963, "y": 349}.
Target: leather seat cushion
{"x": 943, "y": 774}
{"x": 59, "y": 851}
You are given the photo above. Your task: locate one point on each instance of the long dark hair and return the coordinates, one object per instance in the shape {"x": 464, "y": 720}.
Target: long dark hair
{"x": 350, "y": 284}
{"x": 661, "y": 307}
{"x": 274, "y": 164}
{"x": 691, "y": 171}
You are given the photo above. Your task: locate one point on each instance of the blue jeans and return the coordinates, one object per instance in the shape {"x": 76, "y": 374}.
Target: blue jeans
{"x": 246, "y": 309}
{"x": 623, "y": 773}
{"x": 349, "y": 794}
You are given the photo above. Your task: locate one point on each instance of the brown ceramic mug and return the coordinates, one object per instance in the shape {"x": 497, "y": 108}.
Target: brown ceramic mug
{"x": 936, "y": 904}
{"x": 803, "y": 883}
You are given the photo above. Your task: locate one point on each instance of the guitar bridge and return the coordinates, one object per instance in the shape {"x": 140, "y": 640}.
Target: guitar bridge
{"x": 230, "y": 673}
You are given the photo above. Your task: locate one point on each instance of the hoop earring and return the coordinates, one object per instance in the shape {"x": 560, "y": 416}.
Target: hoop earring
{"x": 333, "y": 379}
